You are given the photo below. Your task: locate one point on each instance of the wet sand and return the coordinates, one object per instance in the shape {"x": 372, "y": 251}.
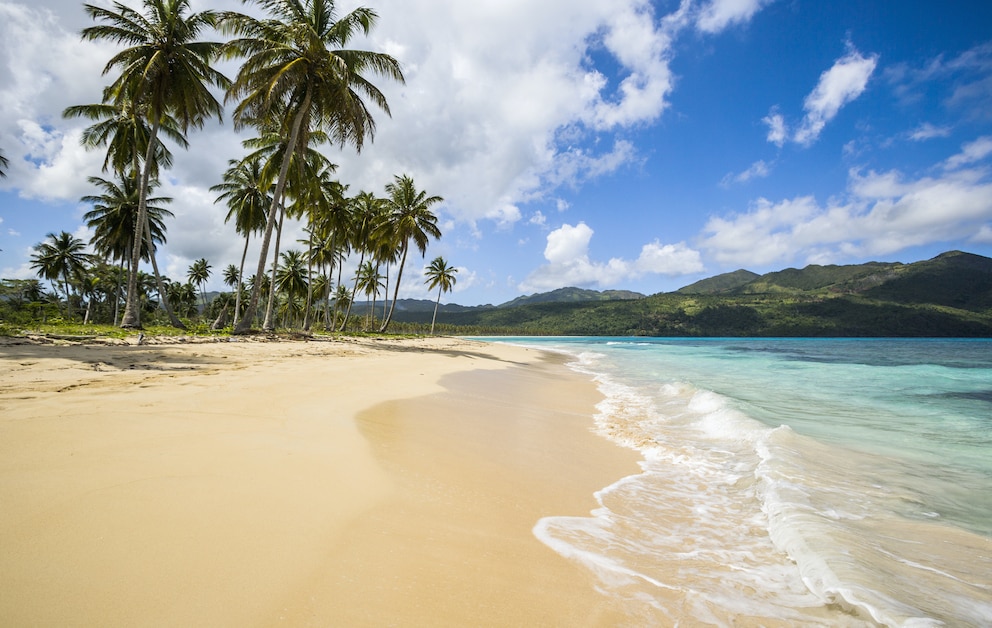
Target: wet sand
{"x": 348, "y": 483}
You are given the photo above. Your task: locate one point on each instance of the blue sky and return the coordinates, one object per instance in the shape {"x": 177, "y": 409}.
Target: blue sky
{"x": 625, "y": 144}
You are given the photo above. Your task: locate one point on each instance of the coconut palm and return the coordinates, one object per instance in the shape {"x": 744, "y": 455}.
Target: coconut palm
{"x": 321, "y": 203}
{"x": 198, "y": 274}
{"x": 367, "y": 213}
{"x": 410, "y": 219}
{"x": 183, "y": 297}
{"x": 342, "y": 298}
{"x": 123, "y": 127}
{"x": 245, "y": 191}
{"x": 3, "y": 165}
{"x": 370, "y": 282}
{"x": 115, "y": 213}
{"x": 113, "y": 219}
{"x": 305, "y": 166}
{"x": 60, "y": 259}
{"x": 164, "y": 71}
{"x": 440, "y": 276}
{"x": 291, "y": 281}
{"x": 297, "y": 72}
{"x": 231, "y": 276}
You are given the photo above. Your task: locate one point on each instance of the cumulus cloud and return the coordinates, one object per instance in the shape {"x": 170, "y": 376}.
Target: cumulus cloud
{"x": 488, "y": 132}
{"x": 567, "y": 253}
{"x": 882, "y": 213}
{"x": 843, "y": 83}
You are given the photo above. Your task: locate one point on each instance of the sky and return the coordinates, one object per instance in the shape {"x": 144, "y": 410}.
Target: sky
{"x": 622, "y": 144}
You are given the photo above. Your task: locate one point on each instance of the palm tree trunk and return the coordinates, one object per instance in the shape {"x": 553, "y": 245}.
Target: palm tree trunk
{"x": 68, "y": 301}
{"x": 340, "y": 263}
{"x": 241, "y": 274}
{"x": 396, "y": 292}
{"x": 385, "y": 293}
{"x": 436, "y": 303}
{"x": 132, "y": 309}
{"x": 160, "y": 286}
{"x": 269, "y": 324}
{"x": 354, "y": 291}
{"x": 117, "y": 294}
{"x": 306, "y": 312}
{"x": 294, "y": 137}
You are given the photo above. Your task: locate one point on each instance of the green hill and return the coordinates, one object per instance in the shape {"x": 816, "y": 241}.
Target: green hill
{"x": 950, "y": 295}
{"x": 726, "y": 282}
{"x": 573, "y": 295}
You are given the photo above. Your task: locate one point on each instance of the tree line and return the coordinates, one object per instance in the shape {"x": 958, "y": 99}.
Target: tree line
{"x": 299, "y": 86}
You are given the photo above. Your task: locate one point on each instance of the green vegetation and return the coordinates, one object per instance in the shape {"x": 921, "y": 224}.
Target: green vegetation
{"x": 300, "y": 85}
{"x": 948, "y": 296}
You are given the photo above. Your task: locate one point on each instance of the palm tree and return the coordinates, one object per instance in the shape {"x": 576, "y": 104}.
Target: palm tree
{"x": 442, "y": 277}
{"x": 367, "y": 212}
{"x": 198, "y": 274}
{"x": 3, "y": 165}
{"x": 291, "y": 280}
{"x": 370, "y": 282}
{"x": 115, "y": 213}
{"x": 182, "y": 296}
{"x": 59, "y": 259}
{"x": 245, "y": 191}
{"x": 342, "y": 300}
{"x": 231, "y": 276}
{"x": 298, "y": 74}
{"x": 114, "y": 217}
{"x": 410, "y": 218}
{"x": 322, "y": 203}
{"x": 123, "y": 127}
{"x": 305, "y": 165}
{"x": 164, "y": 72}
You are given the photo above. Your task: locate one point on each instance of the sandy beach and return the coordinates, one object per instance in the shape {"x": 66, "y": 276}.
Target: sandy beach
{"x": 347, "y": 483}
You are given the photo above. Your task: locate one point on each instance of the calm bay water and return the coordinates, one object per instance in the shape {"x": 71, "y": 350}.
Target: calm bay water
{"x": 835, "y": 482}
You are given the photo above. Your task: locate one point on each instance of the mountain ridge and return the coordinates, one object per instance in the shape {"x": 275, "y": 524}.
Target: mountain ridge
{"x": 948, "y": 295}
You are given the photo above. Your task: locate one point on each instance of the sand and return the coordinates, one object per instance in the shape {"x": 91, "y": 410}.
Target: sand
{"x": 344, "y": 483}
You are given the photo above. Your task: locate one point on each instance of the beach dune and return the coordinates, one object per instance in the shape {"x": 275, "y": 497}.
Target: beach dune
{"x": 295, "y": 483}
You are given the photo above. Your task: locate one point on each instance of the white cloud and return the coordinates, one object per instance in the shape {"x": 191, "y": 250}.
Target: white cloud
{"x": 538, "y": 219}
{"x": 719, "y": 14}
{"x": 843, "y": 83}
{"x": 757, "y": 170}
{"x": 567, "y": 253}
{"x": 777, "y": 132}
{"x": 63, "y": 164}
{"x": 882, "y": 214}
{"x": 984, "y": 235}
{"x": 488, "y": 132}
{"x": 970, "y": 153}
{"x": 927, "y": 131}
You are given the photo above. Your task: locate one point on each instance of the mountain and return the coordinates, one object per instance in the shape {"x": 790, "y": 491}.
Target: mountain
{"x": 954, "y": 279}
{"x": 720, "y": 283}
{"x": 949, "y": 295}
{"x": 573, "y": 295}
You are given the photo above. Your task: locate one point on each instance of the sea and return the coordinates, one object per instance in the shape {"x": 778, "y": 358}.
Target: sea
{"x": 793, "y": 482}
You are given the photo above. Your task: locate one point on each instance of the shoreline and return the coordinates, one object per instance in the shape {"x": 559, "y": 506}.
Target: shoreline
{"x": 253, "y": 483}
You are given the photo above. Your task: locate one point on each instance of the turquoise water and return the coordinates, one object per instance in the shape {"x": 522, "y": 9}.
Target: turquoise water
{"x": 793, "y": 481}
